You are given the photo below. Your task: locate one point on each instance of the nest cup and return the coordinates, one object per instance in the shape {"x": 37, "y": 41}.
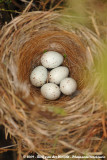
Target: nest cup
{"x": 39, "y": 125}
{"x": 52, "y": 39}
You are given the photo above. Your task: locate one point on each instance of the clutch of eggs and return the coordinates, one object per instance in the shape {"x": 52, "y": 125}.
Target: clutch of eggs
{"x": 57, "y": 76}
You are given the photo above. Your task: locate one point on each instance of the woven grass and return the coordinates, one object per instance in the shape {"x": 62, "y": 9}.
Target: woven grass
{"x": 71, "y": 124}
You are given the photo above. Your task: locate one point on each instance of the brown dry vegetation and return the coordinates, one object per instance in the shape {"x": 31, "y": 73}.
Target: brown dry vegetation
{"x": 88, "y": 130}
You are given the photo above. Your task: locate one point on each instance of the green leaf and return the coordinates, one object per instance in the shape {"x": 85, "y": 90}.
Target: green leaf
{"x": 65, "y": 55}
{"x": 45, "y": 51}
{"x": 57, "y": 110}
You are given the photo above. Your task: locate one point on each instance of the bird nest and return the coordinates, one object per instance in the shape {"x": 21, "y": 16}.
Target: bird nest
{"x": 71, "y": 124}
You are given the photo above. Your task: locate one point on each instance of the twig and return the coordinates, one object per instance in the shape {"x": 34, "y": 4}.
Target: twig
{"x": 44, "y": 4}
{"x": 6, "y": 147}
{"x": 104, "y": 126}
{"x": 52, "y": 9}
{"x": 27, "y": 2}
{"x": 16, "y": 4}
{"x": 96, "y": 148}
{"x": 28, "y": 7}
{"x": 5, "y": 10}
{"x": 95, "y": 26}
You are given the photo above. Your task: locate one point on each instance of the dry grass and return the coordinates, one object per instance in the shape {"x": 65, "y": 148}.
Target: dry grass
{"x": 38, "y": 125}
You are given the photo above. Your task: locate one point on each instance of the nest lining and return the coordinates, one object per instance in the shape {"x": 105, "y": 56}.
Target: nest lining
{"x": 37, "y": 123}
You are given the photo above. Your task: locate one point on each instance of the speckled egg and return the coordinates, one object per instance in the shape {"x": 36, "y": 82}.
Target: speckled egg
{"x": 68, "y": 86}
{"x": 51, "y": 59}
{"x": 58, "y": 74}
{"x": 38, "y": 76}
{"x": 50, "y": 91}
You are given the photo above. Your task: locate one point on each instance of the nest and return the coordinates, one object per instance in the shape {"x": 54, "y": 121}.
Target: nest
{"x": 71, "y": 124}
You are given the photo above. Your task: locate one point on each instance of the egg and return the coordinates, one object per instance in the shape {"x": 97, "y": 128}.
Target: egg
{"x": 50, "y": 91}
{"x": 38, "y": 76}
{"x": 58, "y": 74}
{"x": 68, "y": 86}
{"x": 51, "y": 59}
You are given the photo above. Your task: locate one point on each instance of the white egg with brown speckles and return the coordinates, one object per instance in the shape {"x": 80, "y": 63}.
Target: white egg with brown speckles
{"x": 50, "y": 91}
{"x": 58, "y": 74}
{"x": 38, "y": 76}
{"x": 51, "y": 59}
{"x": 68, "y": 86}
